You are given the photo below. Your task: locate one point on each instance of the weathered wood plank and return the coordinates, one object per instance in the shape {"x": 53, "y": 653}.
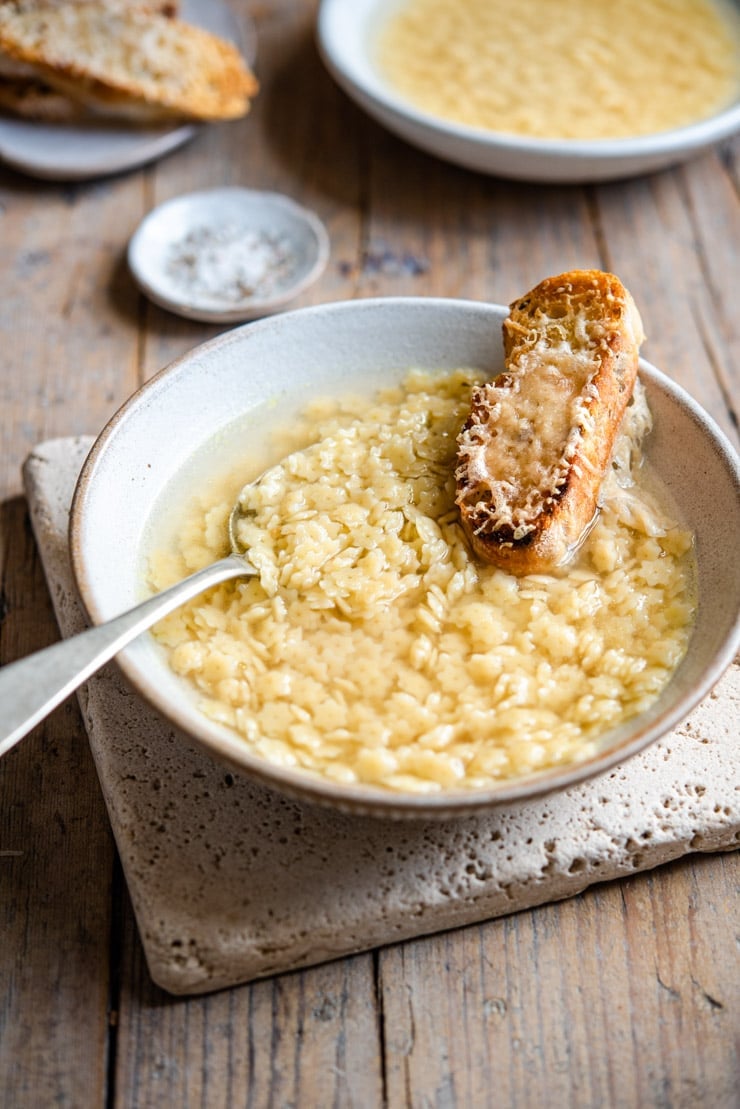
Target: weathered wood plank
{"x": 436, "y": 229}
{"x": 672, "y": 238}
{"x": 711, "y": 196}
{"x": 617, "y": 998}
{"x": 56, "y": 857}
{"x": 71, "y": 319}
{"x": 308, "y": 1038}
{"x": 69, "y": 358}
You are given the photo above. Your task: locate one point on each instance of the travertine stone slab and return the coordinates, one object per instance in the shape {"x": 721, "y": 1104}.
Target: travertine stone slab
{"x": 231, "y": 882}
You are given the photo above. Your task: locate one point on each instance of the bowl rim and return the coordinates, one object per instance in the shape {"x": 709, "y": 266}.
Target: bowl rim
{"x": 369, "y": 84}
{"x": 219, "y": 741}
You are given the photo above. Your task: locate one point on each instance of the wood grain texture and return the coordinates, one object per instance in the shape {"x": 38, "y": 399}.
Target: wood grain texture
{"x": 625, "y": 996}
{"x": 684, "y": 274}
{"x": 56, "y": 861}
{"x": 307, "y": 1038}
{"x": 643, "y": 1015}
{"x": 68, "y": 359}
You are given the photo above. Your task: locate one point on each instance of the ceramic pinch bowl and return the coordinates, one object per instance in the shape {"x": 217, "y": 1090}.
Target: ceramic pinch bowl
{"x": 227, "y": 255}
{"x": 272, "y": 370}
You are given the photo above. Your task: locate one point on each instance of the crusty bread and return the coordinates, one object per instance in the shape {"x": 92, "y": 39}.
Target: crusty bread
{"x": 534, "y": 450}
{"x": 22, "y": 84}
{"x": 127, "y": 62}
{"x": 12, "y": 70}
{"x": 20, "y": 89}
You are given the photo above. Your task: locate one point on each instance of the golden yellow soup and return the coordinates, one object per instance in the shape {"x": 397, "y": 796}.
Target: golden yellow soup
{"x": 569, "y": 69}
{"x": 372, "y": 647}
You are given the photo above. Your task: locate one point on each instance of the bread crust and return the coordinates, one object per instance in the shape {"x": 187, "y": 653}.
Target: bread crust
{"x": 32, "y": 99}
{"x": 534, "y": 450}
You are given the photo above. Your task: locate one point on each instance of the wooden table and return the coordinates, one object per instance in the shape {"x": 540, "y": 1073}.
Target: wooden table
{"x": 624, "y": 996}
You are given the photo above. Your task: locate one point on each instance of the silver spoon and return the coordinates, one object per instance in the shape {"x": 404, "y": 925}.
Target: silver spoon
{"x": 32, "y": 687}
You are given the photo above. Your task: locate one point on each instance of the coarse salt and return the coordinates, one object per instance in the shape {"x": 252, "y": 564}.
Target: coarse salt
{"x": 231, "y": 264}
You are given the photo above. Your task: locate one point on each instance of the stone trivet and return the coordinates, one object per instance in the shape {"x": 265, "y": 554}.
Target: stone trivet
{"x": 231, "y": 882}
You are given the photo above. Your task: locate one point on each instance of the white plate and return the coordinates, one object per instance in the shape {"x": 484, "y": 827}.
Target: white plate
{"x": 62, "y": 152}
{"x": 230, "y": 210}
{"x": 345, "y": 32}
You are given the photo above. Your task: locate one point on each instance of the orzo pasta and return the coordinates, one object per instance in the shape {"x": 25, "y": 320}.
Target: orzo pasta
{"x": 373, "y": 648}
{"x": 580, "y": 69}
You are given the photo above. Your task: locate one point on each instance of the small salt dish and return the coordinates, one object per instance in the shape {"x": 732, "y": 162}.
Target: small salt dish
{"x": 227, "y": 255}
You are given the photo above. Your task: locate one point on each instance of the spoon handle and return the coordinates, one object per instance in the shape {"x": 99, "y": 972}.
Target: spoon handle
{"x": 33, "y": 686}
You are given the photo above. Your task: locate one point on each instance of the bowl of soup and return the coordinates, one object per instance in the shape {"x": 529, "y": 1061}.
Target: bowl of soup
{"x": 574, "y": 92}
{"x": 371, "y": 662}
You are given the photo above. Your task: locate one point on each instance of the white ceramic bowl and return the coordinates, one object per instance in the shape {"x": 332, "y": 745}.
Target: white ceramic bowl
{"x": 345, "y": 31}
{"x": 360, "y": 345}
{"x": 236, "y": 217}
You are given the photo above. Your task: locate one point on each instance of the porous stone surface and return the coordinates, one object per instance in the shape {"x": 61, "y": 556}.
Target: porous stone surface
{"x": 231, "y": 881}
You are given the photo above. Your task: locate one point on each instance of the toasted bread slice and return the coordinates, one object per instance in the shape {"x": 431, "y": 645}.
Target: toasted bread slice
{"x": 20, "y": 88}
{"x": 533, "y": 453}
{"x": 129, "y": 63}
{"x": 25, "y": 95}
